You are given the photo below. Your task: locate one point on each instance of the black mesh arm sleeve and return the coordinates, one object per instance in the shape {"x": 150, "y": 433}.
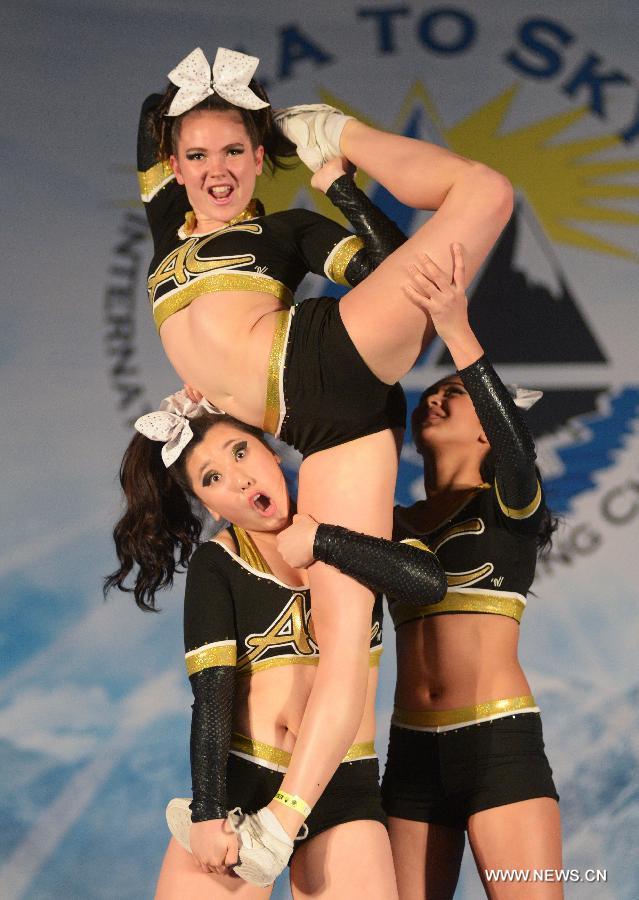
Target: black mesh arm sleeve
{"x": 211, "y": 726}
{"x": 380, "y": 235}
{"x": 408, "y": 572}
{"x": 510, "y": 440}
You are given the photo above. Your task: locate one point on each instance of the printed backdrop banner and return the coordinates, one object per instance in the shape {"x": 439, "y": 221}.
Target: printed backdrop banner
{"x": 94, "y": 706}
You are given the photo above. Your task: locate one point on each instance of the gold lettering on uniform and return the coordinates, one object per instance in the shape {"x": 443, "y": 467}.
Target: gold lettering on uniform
{"x": 291, "y": 627}
{"x": 172, "y": 266}
{"x": 184, "y": 260}
{"x": 469, "y": 527}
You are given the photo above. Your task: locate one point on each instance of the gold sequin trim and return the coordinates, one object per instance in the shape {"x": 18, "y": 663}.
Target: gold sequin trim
{"x": 249, "y": 552}
{"x": 223, "y": 653}
{"x": 263, "y": 664}
{"x": 223, "y": 281}
{"x": 524, "y": 513}
{"x": 281, "y": 758}
{"x": 462, "y": 601}
{"x": 339, "y": 258}
{"x": 275, "y": 361}
{"x": 247, "y": 669}
{"x": 259, "y": 750}
{"x": 463, "y": 715}
{"x": 154, "y": 178}
{"x": 360, "y": 751}
{"x": 252, "y": 211}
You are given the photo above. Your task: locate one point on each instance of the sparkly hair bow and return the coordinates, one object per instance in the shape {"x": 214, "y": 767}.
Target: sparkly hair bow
{"x": 524, "y": 397}
{"x": 229, "y": 77}
{"x": 170, "y": 423}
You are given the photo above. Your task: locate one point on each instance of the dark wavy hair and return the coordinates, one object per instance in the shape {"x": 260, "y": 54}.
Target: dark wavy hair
{"x": 163, "y": 520}
{"x": 259, "y": 123}
{"x": 487, "y": 469}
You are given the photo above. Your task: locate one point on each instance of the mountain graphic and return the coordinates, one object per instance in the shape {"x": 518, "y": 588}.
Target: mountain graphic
{"x": 524, "y": 312}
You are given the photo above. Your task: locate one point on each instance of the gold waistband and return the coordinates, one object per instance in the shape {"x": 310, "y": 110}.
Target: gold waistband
{"x": 275, "y": 360}
{"x": 444, "y": 719}
{"x": 280, "y": 759}
{"x": 469, "y": 601}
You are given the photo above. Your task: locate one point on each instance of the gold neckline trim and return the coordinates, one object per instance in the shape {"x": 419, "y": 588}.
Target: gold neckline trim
{"x": 251, "y": 211}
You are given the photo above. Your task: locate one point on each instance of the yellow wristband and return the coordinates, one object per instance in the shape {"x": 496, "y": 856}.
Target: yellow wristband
{"x": 292, "y": 801}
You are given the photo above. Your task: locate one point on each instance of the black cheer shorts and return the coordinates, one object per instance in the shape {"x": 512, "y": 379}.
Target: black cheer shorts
{"x": 352, "y": 793}
{"x": 325, "y": 392}
{"x": 443, "y": 778}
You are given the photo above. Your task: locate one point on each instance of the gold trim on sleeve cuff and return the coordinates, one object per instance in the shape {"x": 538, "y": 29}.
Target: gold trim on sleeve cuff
{"x": 154, "y": 178}
{"x": 339, "y": 258}
{"x": 221, "y": 653}
{"x": 524, "y": 513}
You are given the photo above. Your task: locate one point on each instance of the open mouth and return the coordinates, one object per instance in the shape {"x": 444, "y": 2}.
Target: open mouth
{"x": 220, "y": 193}
{"x": 263, "y": 504}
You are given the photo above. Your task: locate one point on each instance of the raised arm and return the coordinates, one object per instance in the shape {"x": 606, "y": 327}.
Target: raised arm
{"x": 513, "y": 448}
{"x": 408, "y": 570}
{"x": 165, "y": 201}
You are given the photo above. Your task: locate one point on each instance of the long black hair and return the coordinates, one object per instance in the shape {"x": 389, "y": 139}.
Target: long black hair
{"x": 163, "y": 520}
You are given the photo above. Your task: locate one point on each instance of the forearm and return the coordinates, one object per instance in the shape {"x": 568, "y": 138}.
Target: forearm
{"x": 409, "y": 572}
{"x": 211, "y": 727}
{"x": 379, "y": 233}
{"x": 511, "y": 442}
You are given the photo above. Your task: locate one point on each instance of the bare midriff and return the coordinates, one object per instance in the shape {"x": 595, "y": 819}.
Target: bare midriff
{"x": 269, "y": 705}
{"x": 220, "y": 345}
{"x": 457, "y": 659}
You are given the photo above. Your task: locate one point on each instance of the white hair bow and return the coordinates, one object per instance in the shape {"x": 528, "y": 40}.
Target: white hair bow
{"x": 524, "y": 397}
{"x": 170, "y": 423}
{"x": 229, "y": 78}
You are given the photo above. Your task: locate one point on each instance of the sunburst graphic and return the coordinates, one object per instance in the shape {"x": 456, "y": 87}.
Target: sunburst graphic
{"x": 567, "y": 183}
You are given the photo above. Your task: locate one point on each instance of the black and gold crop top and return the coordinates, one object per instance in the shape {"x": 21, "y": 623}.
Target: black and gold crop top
{"x": 488, "y": 545}
{"x": 237, "y": 613}
{"x": 254, "y": 252}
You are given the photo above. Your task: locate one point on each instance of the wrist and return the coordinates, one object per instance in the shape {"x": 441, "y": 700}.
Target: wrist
{"x": 464, "y": 349}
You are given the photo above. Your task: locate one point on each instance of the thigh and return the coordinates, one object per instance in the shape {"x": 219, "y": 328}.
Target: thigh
{"x": 181, "y": 878}
{"x": 350, "y": 485}
{"x": 388, "y": 329}
{"x": 351, "y": 860}
{"x": 524, "y": 835}
{"x": 427, "y": 858}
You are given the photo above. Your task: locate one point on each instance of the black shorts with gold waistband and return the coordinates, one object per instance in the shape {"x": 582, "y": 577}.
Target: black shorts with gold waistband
{"x": 351, "y": 795}
{"x": 444, "y": 777}
{"x": 321, "y": 393}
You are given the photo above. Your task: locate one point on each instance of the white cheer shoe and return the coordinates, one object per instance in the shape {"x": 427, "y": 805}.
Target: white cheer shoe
{"x": 178, "y": 818}
{"x": 264, "y": 846}
{"x": 315, "y": 129}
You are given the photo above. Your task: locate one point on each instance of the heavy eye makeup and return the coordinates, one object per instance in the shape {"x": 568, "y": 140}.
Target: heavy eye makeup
{"x": 239, "y": 450}
{"x": 210, "y": 478}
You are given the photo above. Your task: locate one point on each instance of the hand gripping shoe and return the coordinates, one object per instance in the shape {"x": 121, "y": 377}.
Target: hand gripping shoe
{"x": 265, "y": 848}
{"x": 315, "y": 129}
